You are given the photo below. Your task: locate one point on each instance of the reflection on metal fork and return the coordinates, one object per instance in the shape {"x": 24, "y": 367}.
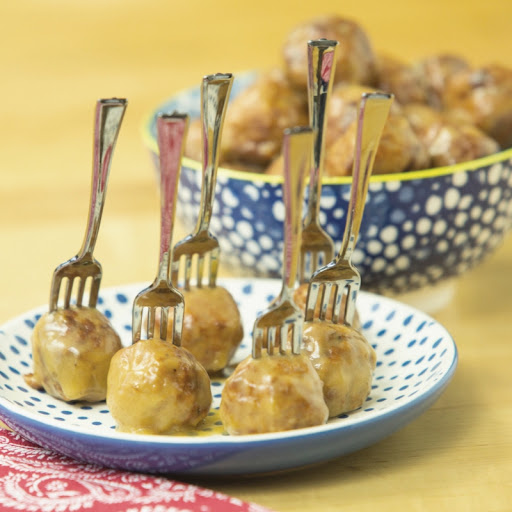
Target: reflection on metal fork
{"x": 84, "y": 267}
{"x": 272, "y": 327}
{"x": 317, "y": 247}
{"x": 161, "y": 297}
{"x": 202, "y": 244}
{"x": 340, "y": 275}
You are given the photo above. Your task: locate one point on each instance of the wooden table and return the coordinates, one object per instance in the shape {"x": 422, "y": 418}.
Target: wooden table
{"x": 58, "y": 57}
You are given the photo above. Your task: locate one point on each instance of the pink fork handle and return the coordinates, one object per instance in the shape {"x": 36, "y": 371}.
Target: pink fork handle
{"x": 107, "y": 121}
{"x": 171, "y": 133}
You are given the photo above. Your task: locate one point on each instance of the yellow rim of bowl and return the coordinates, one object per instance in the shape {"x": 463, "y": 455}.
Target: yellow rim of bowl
{"x": 151, "y": 143}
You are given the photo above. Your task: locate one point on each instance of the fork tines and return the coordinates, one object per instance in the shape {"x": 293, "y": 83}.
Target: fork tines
{"x": 317, "y": 249}
{"x": 77, "y": 275}
{"x": 325, "y": 298}
{"x": 158, "y": 301}
{"x": 196, "y": 251}
{"x": 277, "y": 328}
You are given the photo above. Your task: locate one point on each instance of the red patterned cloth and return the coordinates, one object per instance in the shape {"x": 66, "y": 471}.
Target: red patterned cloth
{"x": 37, "y": 480}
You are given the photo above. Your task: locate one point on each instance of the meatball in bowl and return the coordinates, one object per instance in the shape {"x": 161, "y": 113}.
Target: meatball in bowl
{"x": 439, "y": 200}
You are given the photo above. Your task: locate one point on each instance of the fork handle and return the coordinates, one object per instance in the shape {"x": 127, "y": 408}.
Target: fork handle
{"x": 321, "y": 66}
{"x": 297, "y": 147}
{"x": 171, "y": 133}
{"x": 215, "y": 91}
{"x": 107, "y": 121}
{"x": 373, "y": 112}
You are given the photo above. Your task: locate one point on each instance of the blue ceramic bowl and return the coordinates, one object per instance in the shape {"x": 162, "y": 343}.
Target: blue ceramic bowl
{"x": 419, "y": 228}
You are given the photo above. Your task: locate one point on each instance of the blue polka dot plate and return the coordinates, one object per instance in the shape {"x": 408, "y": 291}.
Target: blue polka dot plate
{"x": 416, "y": 358}
{"x": 419, "y": 230}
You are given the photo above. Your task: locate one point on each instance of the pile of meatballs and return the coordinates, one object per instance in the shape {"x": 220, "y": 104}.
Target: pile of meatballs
{"x": 445, "y": 111}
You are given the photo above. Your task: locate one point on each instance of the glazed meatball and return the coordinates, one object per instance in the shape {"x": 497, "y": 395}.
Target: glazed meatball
{"x": 355, "y": 58}
{"x": 399, "y": 149}
{"x": 448, "y": 140}
{"x": 434, "y": 71}
{"x": 457, "y": 116}
{"x": 425, "y": 121}
{"x": 272, "y": 394}
{"x": 454, "y": 144}
{"x": 155, "y": 387}
{"x": 401, "y": 79}
{"x": 256, "y": 118}
{"x": 486, "y": 96}
{"x": 194, "y": 143}
{"x": 300, "y": 296}
{"x": 212, "y": 326}
{"x": 71, "y": 350}
{"x": 344, "y": 361}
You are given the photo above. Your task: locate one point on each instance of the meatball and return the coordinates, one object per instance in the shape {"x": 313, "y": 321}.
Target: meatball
{"x": 425, "y": 121}
{"x": 272, "y": 394}
{"x": 155, "y": 387}
{"x": 71, "y": 350}
{"x": 194, "y": 143}
{"x": 399, "y": 149}
{"x": 448, "y": 140}
{"x": 434, "y": 71}
{"x": 486, "y": 96}
{"x": 300, "y": 295}
{"x": 212, "y": 326}
{"x": 401, "y": 79}
{"x": 344, "y": 361}
{"x": 355, "y": 58}
{"x": 462, "y": 143}
{"x": 256, "y": 118}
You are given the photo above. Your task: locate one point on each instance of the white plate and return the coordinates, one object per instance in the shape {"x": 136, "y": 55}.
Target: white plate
{"x": 416, "y": 358}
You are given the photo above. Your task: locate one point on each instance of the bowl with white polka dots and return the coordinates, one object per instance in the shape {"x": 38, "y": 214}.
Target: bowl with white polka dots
{"x": 419, "y": 228}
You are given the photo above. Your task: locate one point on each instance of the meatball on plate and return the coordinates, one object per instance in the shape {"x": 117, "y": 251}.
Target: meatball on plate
{"x": 416, "y": 358}
{"x": 72, "y": 349}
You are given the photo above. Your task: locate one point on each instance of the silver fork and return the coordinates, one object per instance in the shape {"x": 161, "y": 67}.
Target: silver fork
{"x": 317, "y": 247}
{"x": 161, "y": 296}
{"x": 331, "y": 281}
{"x": 201, "y": 243}
{"x": 84, "y": 267}
{"x": 271, "y": 328}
